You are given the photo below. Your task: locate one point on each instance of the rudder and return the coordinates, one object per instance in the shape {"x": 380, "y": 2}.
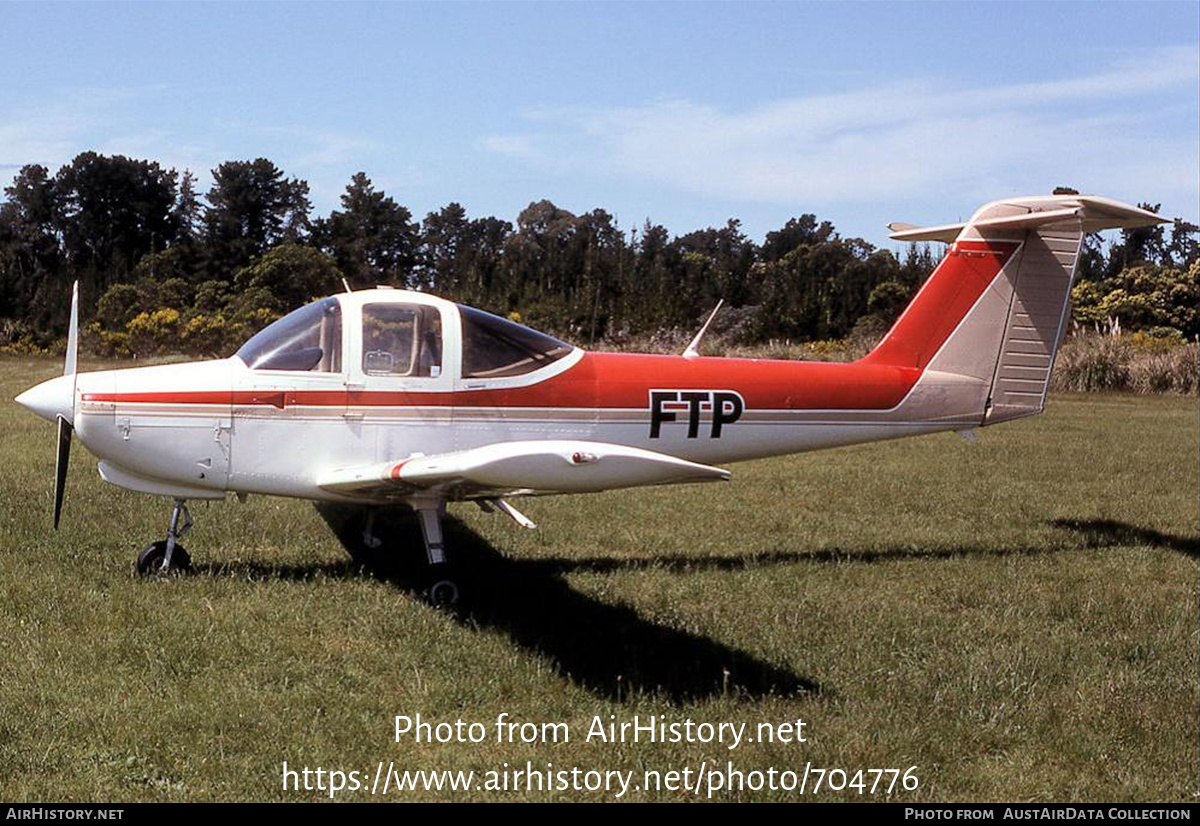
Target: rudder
{"x": 1034, "y": 325}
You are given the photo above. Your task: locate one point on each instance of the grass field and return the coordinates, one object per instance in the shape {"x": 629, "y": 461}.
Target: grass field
{"x": 1017, "y": 618}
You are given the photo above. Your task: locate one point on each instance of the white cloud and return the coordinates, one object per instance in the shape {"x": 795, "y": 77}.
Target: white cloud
{"x": 521, "y": 146}
{"x": 50, "y": 133}
{"x": 112, "y": 122}
{"x": 39, "y": 137}
{"x": 1098, "y": 131}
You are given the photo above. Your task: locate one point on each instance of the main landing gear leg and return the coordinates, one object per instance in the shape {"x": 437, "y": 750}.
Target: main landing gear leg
{"x": 168, "y": 556}
{"x": 443, "y": 591}
{"x": 370, "y": 541}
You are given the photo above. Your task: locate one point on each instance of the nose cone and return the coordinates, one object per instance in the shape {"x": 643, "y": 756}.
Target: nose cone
{"x": 51, "y": 399}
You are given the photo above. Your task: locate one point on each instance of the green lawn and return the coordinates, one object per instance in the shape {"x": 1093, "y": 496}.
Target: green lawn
{"x": 1016, "y": 617}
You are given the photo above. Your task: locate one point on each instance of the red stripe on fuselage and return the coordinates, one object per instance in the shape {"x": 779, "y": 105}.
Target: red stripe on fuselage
{"x": 607, "y": 381}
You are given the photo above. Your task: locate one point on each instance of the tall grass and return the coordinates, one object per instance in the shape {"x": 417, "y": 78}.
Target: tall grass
{"x": 1092, "y": 362}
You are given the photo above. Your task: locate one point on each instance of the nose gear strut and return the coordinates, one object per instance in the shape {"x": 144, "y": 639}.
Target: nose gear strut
{"x": 167, "y": 555}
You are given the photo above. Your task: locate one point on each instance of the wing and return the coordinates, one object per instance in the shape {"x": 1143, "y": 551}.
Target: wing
{"x": 518, "y": 468}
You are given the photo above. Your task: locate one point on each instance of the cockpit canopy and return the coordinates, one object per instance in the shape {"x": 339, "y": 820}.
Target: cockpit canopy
{"x": 308, "y": 339}
{"x": 400, "y": 338}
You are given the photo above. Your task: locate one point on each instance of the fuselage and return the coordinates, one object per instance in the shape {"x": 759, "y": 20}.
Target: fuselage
{"x": 200, "y": 429}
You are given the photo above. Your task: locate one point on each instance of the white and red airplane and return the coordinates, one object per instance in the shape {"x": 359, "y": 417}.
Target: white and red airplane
{"x": 387, "y": 397}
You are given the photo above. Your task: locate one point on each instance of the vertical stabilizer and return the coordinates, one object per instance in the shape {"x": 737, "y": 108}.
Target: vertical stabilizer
{"x": 990, "y": 318}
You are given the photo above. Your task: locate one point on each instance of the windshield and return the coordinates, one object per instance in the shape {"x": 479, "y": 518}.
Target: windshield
{"x": 308, "y": 339}
{"x": 494, "y": 347}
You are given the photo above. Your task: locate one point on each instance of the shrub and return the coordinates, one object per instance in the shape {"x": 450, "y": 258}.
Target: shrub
{"x": 17, "y": 338}
{"x": 22, "y": 347}
{"x": 163, "y": 265}
{"x": 93, "y": 338}
{"x": 206, "y": 335}
{"x": 888, "y": 300}
{"x": 1157, "y": 339}
{"x": 1138, "y": 363}
{"x": 293, "y": 274}
{"x": 175, "y": 293}
{"x": 1142, "y": 297}
{"x": 1092, "y": 362}
{"x": 117, "y": 307}
{"x": 1170, "y": 371}
{"x": 154, "y": 333}
{"x": 211, "y": 297}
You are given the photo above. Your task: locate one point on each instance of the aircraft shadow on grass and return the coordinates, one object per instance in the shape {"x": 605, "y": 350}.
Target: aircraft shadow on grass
{"x": 608, "y": 649}
{"x": 1108, "y": 533}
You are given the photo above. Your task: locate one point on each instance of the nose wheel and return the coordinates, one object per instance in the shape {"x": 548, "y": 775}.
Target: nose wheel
{"x": 153, "y": 560}
{"x": 167, "y": 556}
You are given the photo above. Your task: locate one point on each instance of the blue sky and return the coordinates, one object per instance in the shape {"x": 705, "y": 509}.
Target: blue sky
{"x": 686, "y": 113}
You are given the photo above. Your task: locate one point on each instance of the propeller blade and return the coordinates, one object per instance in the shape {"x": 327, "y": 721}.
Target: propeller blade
{"x": 62, "y": 457}
{"x": 61, "y": 460}
{"x": 72, "y": 333}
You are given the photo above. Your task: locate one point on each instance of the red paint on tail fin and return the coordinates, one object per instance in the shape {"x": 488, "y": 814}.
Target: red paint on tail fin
{"x": 949, "y": 294}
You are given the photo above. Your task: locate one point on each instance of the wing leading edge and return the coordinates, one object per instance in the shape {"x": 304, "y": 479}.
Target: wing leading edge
{"x": 518, "y": 468}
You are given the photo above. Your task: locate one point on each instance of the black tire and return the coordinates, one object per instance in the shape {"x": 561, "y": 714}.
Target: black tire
{"x": 442, "y": 594}
{"x": 150, "y": 561}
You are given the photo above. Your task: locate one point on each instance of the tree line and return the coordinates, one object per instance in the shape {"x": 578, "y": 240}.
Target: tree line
{"x": 163, "y": 266}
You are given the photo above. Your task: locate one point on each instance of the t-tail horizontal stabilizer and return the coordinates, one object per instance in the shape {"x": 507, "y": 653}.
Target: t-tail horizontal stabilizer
{"x": 1089, "y": 213}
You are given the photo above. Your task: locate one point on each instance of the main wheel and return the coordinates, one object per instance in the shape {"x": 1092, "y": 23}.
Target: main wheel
{"x": 442, "y": 593}
{"x": 153, "y": 560}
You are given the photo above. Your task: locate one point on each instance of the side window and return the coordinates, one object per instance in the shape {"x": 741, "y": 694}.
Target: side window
{"x": 402, "y": 340}
{"x": 308, "y": 339}
{"x": 495, "y": 347}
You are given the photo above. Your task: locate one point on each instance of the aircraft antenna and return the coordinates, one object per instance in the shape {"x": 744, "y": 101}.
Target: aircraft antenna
{"x": 692, "y": 349}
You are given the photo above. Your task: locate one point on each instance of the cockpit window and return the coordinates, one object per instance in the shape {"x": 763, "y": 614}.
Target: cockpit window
{"x": 402, "y": 340}
{"x": 494, "y": 347}
{"x": 308, "y": 339}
